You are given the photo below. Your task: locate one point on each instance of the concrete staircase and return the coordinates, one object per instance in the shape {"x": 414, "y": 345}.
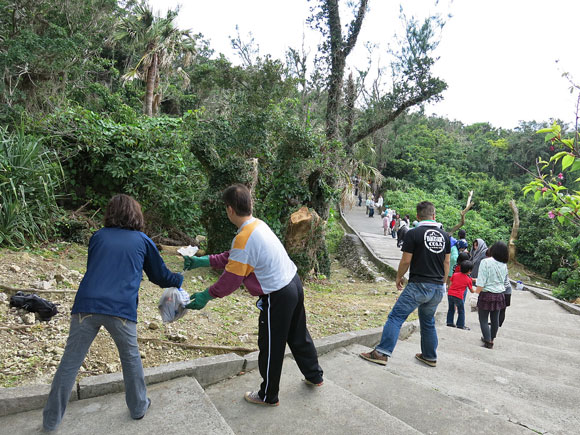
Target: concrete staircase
{"x": 527, "y": 384}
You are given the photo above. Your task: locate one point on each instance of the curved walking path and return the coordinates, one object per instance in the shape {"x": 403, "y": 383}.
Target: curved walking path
{"x": 370, "y": 231}
{"x": 527, "y": 384}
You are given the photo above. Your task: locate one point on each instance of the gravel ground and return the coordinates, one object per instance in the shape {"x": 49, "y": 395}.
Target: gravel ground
{"x": 31, "y": 350}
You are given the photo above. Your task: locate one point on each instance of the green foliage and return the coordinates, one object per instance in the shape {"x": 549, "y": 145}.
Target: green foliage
{"x": 548, "y": 184}
{"x": 40, "y": 46}
{"x": 477, "y": 225}
{"x": 147, "y": 159}
{"x": 334, "y": 232}
{"x": 569, "y": 288}
{"x": 30, "y": 176}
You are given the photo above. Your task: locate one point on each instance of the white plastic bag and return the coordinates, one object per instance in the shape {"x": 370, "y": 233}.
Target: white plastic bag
{"x": 189, "y": 251}
{"x": 172, "y": 304}
{"x": 473, "y": 297}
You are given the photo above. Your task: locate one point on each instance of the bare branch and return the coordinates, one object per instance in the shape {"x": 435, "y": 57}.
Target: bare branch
{"x": 468, "y": 206}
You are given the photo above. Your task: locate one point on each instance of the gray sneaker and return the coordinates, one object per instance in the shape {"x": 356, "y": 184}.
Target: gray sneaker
{"x": 254, "y": 397}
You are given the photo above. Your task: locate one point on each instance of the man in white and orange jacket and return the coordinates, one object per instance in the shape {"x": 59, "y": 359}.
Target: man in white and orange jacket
{"x": 258, "y": 260}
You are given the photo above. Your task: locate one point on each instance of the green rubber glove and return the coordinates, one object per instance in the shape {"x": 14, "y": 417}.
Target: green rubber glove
{"x": 194, "y": 262}
{"x": 199, "y": 300}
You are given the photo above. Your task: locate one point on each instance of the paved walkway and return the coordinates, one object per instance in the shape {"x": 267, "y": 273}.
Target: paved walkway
{"x": 370, "y": 231}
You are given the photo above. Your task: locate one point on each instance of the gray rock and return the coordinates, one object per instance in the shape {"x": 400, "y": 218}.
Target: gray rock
{"x": 42, "y": 285}
{"x": 29, "y": 319}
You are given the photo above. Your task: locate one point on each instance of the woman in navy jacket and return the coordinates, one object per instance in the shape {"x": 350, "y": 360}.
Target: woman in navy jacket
{"x": 108, "y": 296}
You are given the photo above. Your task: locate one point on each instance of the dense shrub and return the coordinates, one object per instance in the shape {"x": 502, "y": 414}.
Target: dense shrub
{"x": 144, "y": 157}
{"x": 30, "y": 176}
{"x": 448, "y": 212}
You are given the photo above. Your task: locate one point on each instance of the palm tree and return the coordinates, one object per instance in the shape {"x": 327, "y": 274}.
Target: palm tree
{"x": 161, "y": 43}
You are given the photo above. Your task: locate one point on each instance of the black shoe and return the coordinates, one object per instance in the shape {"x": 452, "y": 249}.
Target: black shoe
{"x": 148, "y": 405}
{"x": 451, "y": 326}
{"x": 465, "y": 328}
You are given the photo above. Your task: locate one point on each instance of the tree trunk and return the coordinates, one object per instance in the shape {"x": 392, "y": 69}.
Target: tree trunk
{"x": 350, "y": 99}
{"x": 514, "y": 234}
{"x": 463, "y": 213}
{"x": 150, "y": 87}
{"x": 334, "y": 96}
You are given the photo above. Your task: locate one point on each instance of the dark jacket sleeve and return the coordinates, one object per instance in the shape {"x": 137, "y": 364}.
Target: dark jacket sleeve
{"x": 155, "y": 268}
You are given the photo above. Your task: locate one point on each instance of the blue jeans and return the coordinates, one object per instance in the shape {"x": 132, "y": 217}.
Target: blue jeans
{"x": 83, "y": 330}
{"x": 456, "y": 302}
{"x": 425, "y": 297}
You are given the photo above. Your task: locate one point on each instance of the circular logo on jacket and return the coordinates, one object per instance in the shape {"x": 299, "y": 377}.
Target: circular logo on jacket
{"x": 434, "y": 241}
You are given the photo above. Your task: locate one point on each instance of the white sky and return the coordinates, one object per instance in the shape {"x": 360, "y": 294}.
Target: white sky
{"x": 498, "y": 57}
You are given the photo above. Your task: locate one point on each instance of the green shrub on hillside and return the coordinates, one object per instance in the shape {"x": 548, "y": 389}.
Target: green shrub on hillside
{"x": 448, "y": 212}
{"x": 29, "y": 178}
{"x": 147, "y": 158}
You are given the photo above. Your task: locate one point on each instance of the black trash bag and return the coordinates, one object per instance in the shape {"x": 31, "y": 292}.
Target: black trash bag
{"x": 34, "y": 304}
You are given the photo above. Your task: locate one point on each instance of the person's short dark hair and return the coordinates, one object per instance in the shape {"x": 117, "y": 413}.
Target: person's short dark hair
{"x": 123, "y": 211}
{"x": 425, "y": 210}
{"x": 461, "y": 234}
{"x": 500, "y": 252}
{"x": 463, "y": 256}
{"x": 466, "y": 266}
{"x": 238, "y": 197}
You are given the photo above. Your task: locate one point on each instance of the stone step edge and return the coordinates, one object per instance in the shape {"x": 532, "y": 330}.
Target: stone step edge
{"x": 545, "y": 294}
{"x": 206, "y": 371}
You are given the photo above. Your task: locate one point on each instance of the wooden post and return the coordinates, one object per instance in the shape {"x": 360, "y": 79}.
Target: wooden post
{"x": 514, "y": 234}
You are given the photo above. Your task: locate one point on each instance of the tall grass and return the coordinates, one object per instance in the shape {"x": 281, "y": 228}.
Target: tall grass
{"x": 29, "y": 178}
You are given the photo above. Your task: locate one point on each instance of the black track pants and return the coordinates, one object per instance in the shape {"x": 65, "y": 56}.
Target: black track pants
{"x": 283, "y": 320}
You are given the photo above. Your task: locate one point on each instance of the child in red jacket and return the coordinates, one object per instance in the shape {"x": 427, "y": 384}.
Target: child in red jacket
{"x": 455, "y": 294}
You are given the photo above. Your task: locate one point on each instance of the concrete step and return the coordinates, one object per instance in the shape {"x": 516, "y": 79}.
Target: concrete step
{"x": 177, "y": 407}
{"x": 544, "y": 361}
{"x": 471, "y": 374}
{"x": 530, "y": 314}
{"x": 522, "y": 334}
{"x": 303, "y": 409}
{"x": 424, "y": 408}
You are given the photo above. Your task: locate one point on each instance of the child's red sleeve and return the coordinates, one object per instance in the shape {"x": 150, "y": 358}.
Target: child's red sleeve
{"x": 469, "y": 282}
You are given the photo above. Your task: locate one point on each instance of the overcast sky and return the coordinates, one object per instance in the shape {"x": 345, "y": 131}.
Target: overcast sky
{"x": 498, "y": 57}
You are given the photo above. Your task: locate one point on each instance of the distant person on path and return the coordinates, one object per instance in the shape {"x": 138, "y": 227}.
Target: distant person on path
{"x": 368, "y": 202}
{"x": 385, "y": 224}
{"x": 461, "y": 234}
{"x": 395, "y": 225}
{"x": 258, "y": 260}
{"x": 477, "y": 254}
{"x": 359, "y": 199}
{"x": 108, "y": 296}
{"x": 491, "y": 283}
{"x": 453, "y": 260}
{"x": 455, "y": 294}
{"x": 403, "y": 228}
{"x": 380, "y": 204}
{"x": 426, "y": 251}
{"x": 372, "y": 208}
